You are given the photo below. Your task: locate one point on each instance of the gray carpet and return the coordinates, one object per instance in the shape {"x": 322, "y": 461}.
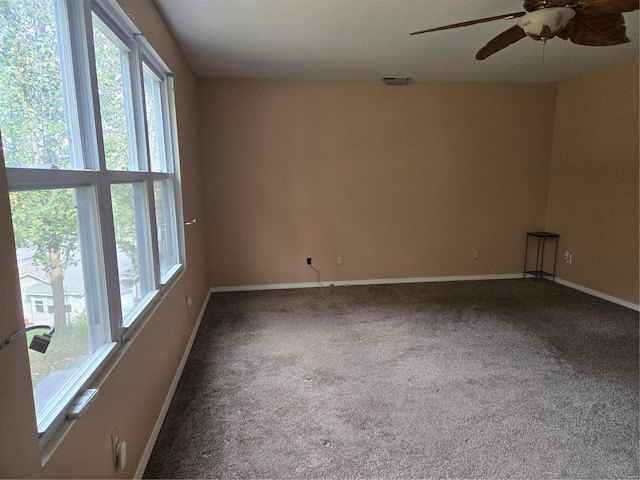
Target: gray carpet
{"x": 483, "y": 379}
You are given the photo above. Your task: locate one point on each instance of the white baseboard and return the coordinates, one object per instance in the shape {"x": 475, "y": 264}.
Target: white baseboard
{"x": 377, "y": 281}
{"x": 382, "y": 281}
{"x": 595, "y": 293}
{"x": 172, "y": 389}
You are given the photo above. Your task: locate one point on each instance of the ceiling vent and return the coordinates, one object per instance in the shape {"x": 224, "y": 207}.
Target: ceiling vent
{"x": 396, "y": 80}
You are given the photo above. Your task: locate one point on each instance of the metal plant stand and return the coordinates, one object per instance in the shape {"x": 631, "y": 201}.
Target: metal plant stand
{"x": 539, "y": 268}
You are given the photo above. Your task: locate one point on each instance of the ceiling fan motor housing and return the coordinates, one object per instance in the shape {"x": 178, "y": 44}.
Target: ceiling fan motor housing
{"x": 547, "y": 22}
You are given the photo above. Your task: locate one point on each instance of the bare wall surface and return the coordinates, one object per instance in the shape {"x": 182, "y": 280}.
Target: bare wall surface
{"x": 132, "y": 394}
{"x": 401, "y": 181}
{"x": 18, "y": 437}
{"x": 593, "y": 190}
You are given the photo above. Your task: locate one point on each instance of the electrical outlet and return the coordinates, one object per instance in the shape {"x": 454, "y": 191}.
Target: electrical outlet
{"x": 476, "y": 254}
{"x": 568, "y": 256}
{"x": 339, "y": 259}
{"x": 308, "y": 261}
{"x": 118, "y": 450}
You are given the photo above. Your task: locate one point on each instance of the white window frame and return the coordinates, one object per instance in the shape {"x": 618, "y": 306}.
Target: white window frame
{"x": 83, "y": 113}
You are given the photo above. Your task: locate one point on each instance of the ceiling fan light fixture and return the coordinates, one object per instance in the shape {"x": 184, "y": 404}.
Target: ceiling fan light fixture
{"x": 546, "y": 23}
{"x": 393, "y": 81}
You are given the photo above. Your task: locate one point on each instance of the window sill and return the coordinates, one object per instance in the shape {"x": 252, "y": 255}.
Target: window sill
{"x": 54, "y": 412}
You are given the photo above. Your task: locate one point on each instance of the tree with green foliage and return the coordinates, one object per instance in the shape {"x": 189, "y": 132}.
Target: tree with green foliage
{"x": 45, "y": 223}
{"x": 35, "y": 133}
{"x": 33, "y": 123}
{"x": 32, "y": 115}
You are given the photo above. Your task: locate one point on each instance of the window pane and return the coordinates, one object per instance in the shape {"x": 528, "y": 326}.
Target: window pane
{"x": 153, "y": 110}
{"x": 53, "y": 287}
{"x": 32, "y": 103}
{"x": 166, "y": 224}
{"x": 131, "y": 222}
{"x": 115, "y": 100}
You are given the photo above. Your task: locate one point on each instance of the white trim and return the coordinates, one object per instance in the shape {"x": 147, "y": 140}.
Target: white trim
{"x": 378, "y": 281}
{"x": 384, "y": 281}
{"x": 116, "y": 12}
{"x": 595, "y": 293}
{"x": 142, "y": 465}
{"x": 52, "y": 416}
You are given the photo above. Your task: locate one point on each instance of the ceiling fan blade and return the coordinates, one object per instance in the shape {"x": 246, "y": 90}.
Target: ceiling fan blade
{"x": 506, "y": 38}
{"x": 506, "y": 16}
{"x": 611, "y": 6}
{"x": 535, "y": 4}
{"x": 595, "y": 28}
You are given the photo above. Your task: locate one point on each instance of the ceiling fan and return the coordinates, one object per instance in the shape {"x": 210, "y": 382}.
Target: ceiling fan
{"x": 584, "y": 22}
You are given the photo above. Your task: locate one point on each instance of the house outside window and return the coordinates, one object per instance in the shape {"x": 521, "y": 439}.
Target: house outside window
{"x": 89, "y": 143}
{"x": 39, "y": 306}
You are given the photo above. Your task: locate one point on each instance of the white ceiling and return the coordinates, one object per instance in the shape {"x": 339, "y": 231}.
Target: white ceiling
{"x": 369, "y": 39}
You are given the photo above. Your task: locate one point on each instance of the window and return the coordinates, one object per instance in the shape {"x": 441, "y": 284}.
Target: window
{"x": 153, "y": 110}
{"x": 116, "y": 102}
{"x": 39, "y": 304}
{"x": 86, "y": 113}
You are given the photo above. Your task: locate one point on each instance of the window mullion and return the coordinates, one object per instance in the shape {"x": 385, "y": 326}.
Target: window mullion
{"x": 154, "y": 232}
{"x": 69, "y": 57}
{"x": 166, "y": 124}
{"x": 142, "y": 202}
{"x": 30, "y": 179}
{"x": 129, "y": 81}
{"x": 144, "y": 155}
{"x": 112, "y": 279}
{"x": 86, "y": 84}
{"x": 94, "y": 154}
{"x": 137, "y": 92}
{"x": 174, "y": 157}
{"x": 159, "y": 114}
{"x": 89, "y": 226}
{"x": 124, "y": 176}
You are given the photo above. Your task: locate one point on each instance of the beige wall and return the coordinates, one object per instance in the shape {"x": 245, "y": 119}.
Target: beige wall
{"x": 132, "y": 394}
{"x": 593, "y": 192}
{"x": 18, "y": 437}
{"x": 402, "y": 181}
